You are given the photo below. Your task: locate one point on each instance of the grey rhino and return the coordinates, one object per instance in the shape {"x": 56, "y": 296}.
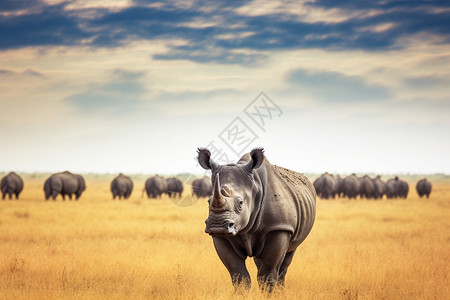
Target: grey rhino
{"x": 326, "y": 186}
{"x": 155, "y": 186}
{"x": 11, "y": 184}
{"x": 423, "y": 187}
{"x": 64, "y": 183}
{"x": 396, "y": 188}
{"x": 121, "y": 186}
{"x": 351, "y": 186}
{"x": 257, "y": 210}
{"x": 391, "y": 188}
{"x": 202, "y": 187}
{"x": 379, "y": 187}
{"x": 367, "y": 188}
{"x": 402, "y": 188}
{"x": 340, "y": 186}
{"x": 174, "y": 187}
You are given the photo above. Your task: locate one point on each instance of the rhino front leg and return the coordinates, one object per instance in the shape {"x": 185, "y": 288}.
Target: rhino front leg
{"x": 272, "y": 258}
{"x": 234, "y": 263}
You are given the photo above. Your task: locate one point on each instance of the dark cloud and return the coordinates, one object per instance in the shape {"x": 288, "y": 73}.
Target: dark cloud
{"x": 378, "y": 4}
{"x": 51, "y": 26}
{"x": 33, "y": 73}
{"x": 15, "y": 5}
{"x": 198, "y": 96}
{"x": 336, "y": 87}
{"x": 99, "y": 27}
{"x": 6, "y": 72}
{"x": 430, "y": 82}
{"x": 27, "y": 72}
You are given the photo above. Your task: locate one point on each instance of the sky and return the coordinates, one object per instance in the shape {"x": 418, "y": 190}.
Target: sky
{"x": 136, "y": 86}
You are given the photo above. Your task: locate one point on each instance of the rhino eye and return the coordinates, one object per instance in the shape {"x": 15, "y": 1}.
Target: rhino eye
{"x": 239, "y": 203}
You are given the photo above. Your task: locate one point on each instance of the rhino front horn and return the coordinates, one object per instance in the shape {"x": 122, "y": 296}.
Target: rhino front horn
{"x": 218, "y": 201}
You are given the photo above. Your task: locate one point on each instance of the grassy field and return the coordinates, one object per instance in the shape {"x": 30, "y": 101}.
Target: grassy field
{"x": 98, "y": 248}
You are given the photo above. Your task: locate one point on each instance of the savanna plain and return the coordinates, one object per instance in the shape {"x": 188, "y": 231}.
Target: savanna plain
{"x": 99, "y": 248}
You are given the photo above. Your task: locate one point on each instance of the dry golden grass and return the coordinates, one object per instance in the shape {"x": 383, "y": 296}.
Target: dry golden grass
{"x": 98, "y": 248}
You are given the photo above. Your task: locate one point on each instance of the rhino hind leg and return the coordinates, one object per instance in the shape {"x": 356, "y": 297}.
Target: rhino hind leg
{"x": 258, "y": 262}
{"x": 284, "y": 266}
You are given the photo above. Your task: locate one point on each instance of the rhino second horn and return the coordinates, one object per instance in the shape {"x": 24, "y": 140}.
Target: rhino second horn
{"x": 226, "y": 191}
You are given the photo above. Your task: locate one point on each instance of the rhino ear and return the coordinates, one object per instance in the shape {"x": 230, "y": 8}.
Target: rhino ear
{"x": 257, "y": 156}
{"x": 204, "y": 159}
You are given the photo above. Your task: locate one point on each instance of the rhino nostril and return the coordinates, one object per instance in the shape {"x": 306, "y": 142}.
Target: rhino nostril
{"x": 232, "y": 228}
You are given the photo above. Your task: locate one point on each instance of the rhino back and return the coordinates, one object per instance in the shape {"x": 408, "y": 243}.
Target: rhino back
{"x": 289, "y": 203}
{"x": 69, "y": 182}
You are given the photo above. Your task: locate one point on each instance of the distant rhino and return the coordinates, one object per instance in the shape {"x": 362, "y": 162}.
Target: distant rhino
{"x": 326, "y": 186}
{"x": 402, "y": 189}
{"x": 258, "y": 210}
{"x": 174, "y": 187}
{"x": 11, "y": 184}
{"x": 396, "y": 188}
{"x": 379, "y": 187}
{"x": 391, "y": 188}
{"x": 202, "y": 187}
{"x": 64, "y": 183}
{"x": 121, "y": 186}
{"x": 155, "y": 186}
{"x": 367, "y": 188}
{"x": 340, "y": 186}
{"x": 423, "y": 188}
{"x": 351, "y": 186}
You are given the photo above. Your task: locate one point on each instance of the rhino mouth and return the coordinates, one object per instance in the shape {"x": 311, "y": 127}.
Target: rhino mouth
{"x": 223, "y": 230}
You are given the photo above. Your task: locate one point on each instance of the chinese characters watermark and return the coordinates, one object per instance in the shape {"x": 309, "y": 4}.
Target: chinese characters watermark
{"x": 238, "y": 136}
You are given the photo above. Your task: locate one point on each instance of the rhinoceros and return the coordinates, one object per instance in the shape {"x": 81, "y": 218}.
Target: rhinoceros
{"x": 423, "y": 188}
{"x": 402, "y": 189}
{"x": 174, "y": 187}
{"x": 155, "y": 186}
{"x": 351, "y": 186}
{"x": 202, "y": 187}
{"x": 257, "y": 210}
{"x": 396, "y": 188}
{"x": 64, "y": 183}
{"x": 340, "y": 186}
{"x": 121, "y": 186}
{"x": 379, "y": 187}
{"x": 391, "y": 189}
{"x": 326, "y": 186}
{"x": 367, "y": 187}
{"x": 11, "y": 184}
